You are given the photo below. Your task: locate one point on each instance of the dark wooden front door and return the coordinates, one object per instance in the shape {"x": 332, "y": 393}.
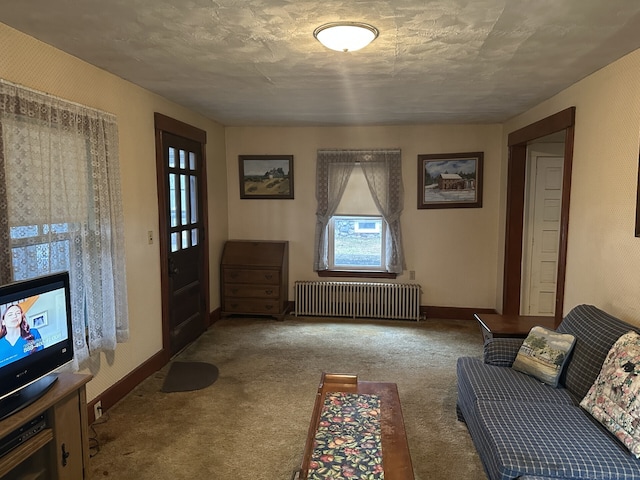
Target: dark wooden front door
{"x": 183, "y": 238}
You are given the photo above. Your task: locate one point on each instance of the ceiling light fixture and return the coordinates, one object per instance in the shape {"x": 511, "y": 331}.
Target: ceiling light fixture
{"x": 345, "y": 36}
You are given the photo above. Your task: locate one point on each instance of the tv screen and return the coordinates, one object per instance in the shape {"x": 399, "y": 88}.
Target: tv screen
{"x": 35, "y": 338}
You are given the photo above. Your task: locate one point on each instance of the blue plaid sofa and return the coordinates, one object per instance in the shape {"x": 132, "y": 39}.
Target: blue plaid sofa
{"x": 524, "y": 429}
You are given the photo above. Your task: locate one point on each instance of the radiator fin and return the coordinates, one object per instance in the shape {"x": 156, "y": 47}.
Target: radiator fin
{"x": 358, "y": 300}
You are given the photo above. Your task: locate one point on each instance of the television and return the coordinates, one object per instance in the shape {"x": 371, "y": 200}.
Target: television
{"x": 35, "y": 338}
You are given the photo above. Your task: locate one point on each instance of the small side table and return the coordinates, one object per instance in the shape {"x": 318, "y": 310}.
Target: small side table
{"x": 494, "y": 325}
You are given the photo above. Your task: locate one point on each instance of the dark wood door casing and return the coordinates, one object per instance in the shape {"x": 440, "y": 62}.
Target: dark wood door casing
{"x": 166, "y": 131}
{"x": 516, "y": 177}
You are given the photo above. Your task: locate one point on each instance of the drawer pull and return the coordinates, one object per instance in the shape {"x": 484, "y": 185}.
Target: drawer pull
{"x": 268, "y": 307}
{"x": 269, "y": 292}
{"x": 268, "y": 276}
{"x": 234, "y": 290}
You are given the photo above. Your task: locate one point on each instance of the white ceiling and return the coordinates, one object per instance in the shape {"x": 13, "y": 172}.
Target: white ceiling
{"x": 256, "y": 62}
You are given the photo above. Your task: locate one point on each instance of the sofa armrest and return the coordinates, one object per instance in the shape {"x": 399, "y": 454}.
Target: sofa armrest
{"x": 501, "y": 352}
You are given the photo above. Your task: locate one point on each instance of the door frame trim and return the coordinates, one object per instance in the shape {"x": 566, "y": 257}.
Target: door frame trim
{"x": 176, "y": 127}
{"x": 516, "y": 175}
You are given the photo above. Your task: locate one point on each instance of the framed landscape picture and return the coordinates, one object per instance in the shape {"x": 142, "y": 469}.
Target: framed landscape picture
{"x": 266, "y": 176}
{"x": 450, "y": 180}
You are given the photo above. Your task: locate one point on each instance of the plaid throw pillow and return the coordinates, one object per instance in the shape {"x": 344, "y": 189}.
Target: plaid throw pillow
{"x": 614, "y": 398}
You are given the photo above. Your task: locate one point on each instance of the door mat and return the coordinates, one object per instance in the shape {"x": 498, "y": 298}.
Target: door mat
{"x": 188, "y": 376}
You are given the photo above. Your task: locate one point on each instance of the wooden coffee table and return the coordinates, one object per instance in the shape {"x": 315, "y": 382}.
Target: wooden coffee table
{"x": 396, "y": 459}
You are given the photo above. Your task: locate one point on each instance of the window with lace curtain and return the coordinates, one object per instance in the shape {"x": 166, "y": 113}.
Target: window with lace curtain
{"x": 61, "y": 208}
{"x": 360, "y": 199}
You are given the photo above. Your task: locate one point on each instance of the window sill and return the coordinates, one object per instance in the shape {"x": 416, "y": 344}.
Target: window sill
{"x": 353, "y": 274}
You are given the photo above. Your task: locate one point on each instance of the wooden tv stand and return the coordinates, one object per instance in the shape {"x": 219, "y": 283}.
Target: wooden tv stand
{"x": 61, "y": 450}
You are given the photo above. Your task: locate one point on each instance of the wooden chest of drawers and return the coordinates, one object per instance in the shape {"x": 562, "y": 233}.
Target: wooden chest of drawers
{"x": 254, "y": 278}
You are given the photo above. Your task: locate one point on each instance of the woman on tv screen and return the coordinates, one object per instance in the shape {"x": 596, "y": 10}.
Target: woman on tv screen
{"x": 17, "y": 339}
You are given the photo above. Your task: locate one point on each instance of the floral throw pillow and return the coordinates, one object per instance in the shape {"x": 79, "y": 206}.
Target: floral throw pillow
{"x": 614, "y": 398}
{"x": 543, "y": 354}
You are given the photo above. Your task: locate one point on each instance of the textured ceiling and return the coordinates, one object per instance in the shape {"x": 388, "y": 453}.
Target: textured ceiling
{"x": 256, "y": 62}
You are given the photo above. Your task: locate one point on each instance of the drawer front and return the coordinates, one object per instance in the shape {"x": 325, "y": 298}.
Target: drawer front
{"x": 243, "y": 305}
{"x": 259, "y": 291}
{"x": 247, "y": 275}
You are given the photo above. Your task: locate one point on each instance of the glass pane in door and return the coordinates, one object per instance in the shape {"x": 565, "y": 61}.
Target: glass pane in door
{"x": 194, "y": 198}
{"x": 183, "y": 199}
{"x": 173, "y": 213}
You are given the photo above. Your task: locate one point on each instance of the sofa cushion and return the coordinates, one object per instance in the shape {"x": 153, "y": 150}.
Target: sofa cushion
{"x": 548, "y": 440}
{"x": 543, "y": 354}
{"x": 614, "y": 398}
{"x": 479, "y": 381}
{"x": 596, "y": 332}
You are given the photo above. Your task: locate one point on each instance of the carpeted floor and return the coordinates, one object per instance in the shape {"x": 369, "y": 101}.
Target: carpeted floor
{"x": 252, "y": 422}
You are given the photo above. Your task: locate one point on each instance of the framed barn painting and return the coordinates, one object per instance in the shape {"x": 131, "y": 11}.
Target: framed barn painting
{"x": 450, "y": 180}
{"x": 266, "y": 176}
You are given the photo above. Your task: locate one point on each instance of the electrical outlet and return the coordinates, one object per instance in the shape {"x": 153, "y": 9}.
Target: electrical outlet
{"x": 412, "y": 274}
{"x": 150, "y": 236}
{"x": 97, "y": 409}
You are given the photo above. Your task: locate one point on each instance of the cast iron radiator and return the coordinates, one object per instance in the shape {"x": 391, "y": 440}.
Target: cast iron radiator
{"x": 358, "y": 300}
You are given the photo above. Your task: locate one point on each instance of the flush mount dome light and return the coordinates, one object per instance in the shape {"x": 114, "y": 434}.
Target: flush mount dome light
{"x": 346, "y": 36}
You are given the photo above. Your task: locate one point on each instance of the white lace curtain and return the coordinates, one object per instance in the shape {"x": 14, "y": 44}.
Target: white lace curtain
{"x": 61, "y": 208}
{"x": 383, "y": 172}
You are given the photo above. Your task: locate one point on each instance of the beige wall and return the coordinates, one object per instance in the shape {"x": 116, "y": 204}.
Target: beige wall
{"x": 28, "y": 62}
{"x": 603, "y": 258}
{"x": 454, "y": 252}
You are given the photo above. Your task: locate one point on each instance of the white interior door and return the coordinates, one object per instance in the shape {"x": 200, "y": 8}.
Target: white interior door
{"x": 542, "y": 230}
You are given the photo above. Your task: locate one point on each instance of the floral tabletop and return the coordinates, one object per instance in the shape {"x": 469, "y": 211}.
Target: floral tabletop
{"x": 347, "y": 443}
